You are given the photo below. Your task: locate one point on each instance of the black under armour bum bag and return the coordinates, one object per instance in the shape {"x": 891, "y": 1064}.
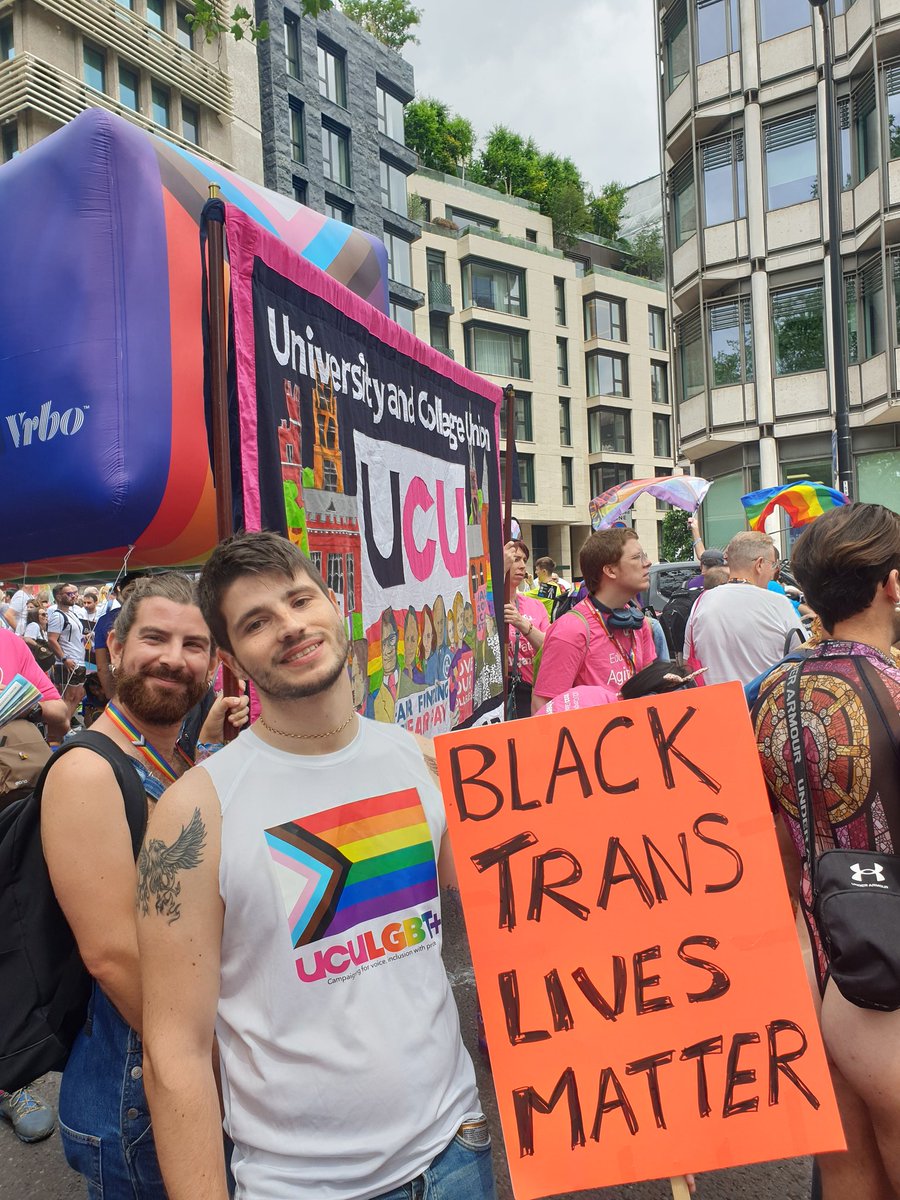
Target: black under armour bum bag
{"x": 856, "y": 893}
{"x": 857, "y": 913}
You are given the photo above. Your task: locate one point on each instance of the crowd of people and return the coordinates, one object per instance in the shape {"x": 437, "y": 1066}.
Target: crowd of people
{"x": 238, "y": 992}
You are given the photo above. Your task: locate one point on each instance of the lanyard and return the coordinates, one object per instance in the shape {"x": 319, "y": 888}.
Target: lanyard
{"x": 627, "y": 654}
{"x": 148, "y": 752}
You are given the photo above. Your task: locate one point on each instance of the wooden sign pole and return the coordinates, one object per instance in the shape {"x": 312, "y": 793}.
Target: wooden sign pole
{"x": 680, "y": 1189}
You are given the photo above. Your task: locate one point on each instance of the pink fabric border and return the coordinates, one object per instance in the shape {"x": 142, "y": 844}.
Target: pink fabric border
{"x": 246, "y": 240}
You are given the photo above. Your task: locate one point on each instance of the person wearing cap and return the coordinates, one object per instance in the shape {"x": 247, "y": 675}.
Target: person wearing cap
{"x": 103, "y": 627}
{"x": 708, "y": 559}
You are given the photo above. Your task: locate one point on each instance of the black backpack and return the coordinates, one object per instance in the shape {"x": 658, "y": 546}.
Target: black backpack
{"x": 43, "y": 982}
{"x": 675, "y": 615}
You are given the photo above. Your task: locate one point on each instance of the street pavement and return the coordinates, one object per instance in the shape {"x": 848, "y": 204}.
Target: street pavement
{"x": 40, "y": 1172}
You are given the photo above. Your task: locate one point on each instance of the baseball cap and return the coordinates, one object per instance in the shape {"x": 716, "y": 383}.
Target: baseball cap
{"x": 712, "y": 558}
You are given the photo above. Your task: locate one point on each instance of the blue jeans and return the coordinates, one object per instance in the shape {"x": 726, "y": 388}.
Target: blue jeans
{"x": 462, "y": 1171}
{"x": 104, "y": 1121}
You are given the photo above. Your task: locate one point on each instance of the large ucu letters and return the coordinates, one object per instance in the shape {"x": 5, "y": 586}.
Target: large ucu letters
{"x": 413, "y": 509}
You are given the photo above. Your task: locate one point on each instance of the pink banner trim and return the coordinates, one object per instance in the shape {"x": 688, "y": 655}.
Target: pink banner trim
{"x": 246, "y": 240}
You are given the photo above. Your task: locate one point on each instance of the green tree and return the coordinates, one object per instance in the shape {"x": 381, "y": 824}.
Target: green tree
{"x": 443, "y": 141}
{"x": 648, "y": 255}
{"x": 675, "y": 537}
{"x": 607, "y": 208}
{"x": 511, "y": 164}
{"x": 392, "y": 22}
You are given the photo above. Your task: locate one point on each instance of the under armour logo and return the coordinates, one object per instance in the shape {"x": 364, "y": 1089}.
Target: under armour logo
{"x": 859, "y": 872}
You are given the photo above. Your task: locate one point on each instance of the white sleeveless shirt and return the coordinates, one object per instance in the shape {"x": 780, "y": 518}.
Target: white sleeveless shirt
{"x": 343, "y": 1071}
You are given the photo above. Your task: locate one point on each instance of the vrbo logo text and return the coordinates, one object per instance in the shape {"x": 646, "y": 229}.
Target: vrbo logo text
{"x": 46, "y": 425}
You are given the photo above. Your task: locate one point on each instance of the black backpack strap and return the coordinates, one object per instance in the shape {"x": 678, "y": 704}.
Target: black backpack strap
{"x": 792, "y": 701}
{"x": 133, "y": 795}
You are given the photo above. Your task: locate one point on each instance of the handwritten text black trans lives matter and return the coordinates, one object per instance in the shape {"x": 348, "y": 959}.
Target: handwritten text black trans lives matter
{"x": 598, "y": 880}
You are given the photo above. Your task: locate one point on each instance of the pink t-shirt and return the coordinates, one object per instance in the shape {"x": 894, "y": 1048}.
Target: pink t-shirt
{"x": 611, "y": 658}
{"x": 528, "y": 606}
{"x": 17, "y": 659}
{"x": 583, "y": 697}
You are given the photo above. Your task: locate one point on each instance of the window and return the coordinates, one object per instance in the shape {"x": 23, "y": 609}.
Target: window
{"x": 390, "y": 114}
{"x": 656, "y": 328}
{"x": 9, "y": 142}
{"x": 892, "y": 105}
{"x": 866, "y": 333}
{"x": 607, "y": 374}
{"x": 690, "y": 356}
{"x": 156, "y": 13}
{"x": 792, "y": 174}
{"x": 184, "y": 34}
{"x": 609, "y": 429}
{"x": 129, "y": 87}
{"x": 336, "y": 154}
{"x": 335, "y": 578}
{"x": 486, "y": 285}
{"x": 559, "y": 300}
{"x": 298, "y": 139}
{"x": 730, "y": 331}
{"x": 393, "y": 188}
{"x": 159, "y": 104}
{"x": 332, "y": 75}
{"x": 724, "y": 179}
{"x": 895, "y": 272}
{"x": 493, "y": 351}
{"x": 522, "y": 411}
{"x": 782, "y": 16}
{"x": 190, "y": 123}
{"x": 565, "y": 421}
{"x": 129, "y": 4}
{"x": 466, "y": 220}
{"x": 846, "y": 149}
{"x": 94, "y": 68}
{"x": 439, "y": 336}
{"x": 338, "y": 210}
{"x": 662, "y": 505}
{"x": 568, "y": 487}
{"x": 399, "y": 258}
{"x": 531, "y": 235}
{"x": 299, "y": 189}
{"x": 292, "y": 45}
{"x": 526, "y": 477}
{"x": 609, "y": 475}
{"x": 798, "y": 329}
{"x": 403, "y": 316}
{"x": 684, "y": 201}
{"x": 662, "y": 437}
{"x": 562, "y": 362}
{"x": 677, "y": 45}
{"x": 718, "y": 29}
{"x": 659, "y": 383}
{"x": 604, "y": 318}
{"x": 865, "y": 127}
{"x": 7, "y": 45}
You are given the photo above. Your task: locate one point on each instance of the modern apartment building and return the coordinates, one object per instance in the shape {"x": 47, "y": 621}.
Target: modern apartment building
{"x": 332, "y": 100}
{"x": 744, "y": 155}
{"x": 138, "y": 58}
{"x": 582, "y": 343}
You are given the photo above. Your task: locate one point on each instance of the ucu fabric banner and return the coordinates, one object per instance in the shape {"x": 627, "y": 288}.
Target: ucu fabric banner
{"x": 379, "y": 457}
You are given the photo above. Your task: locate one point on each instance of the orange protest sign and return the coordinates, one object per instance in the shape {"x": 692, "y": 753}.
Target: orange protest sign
{"x": 641, "y": 980}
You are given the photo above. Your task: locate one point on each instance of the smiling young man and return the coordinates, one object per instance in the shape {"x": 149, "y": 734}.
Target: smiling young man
{"x": 604, "y": 639}
{"x": 306, "y": 935}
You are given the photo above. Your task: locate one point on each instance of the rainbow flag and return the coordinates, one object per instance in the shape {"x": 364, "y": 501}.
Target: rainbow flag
{"x": 354, "y": 863}
{"x": 802, "y": 502}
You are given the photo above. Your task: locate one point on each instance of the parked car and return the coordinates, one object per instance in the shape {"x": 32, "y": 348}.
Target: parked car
{"x": 665, "y": 580}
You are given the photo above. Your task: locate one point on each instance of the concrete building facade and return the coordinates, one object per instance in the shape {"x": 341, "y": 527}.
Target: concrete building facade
{"x": 744, "y": 156}
{"x": 332, "y": 100}
{"x": 137, "y": 58}
{"x": 573, "y": 336}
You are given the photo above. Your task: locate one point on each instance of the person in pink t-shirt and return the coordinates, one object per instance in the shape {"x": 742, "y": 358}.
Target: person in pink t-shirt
{"x": 604, "y": 639}
{"x": 527, "y": 623}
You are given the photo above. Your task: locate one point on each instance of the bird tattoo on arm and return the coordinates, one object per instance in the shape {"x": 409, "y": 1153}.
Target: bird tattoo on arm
{"x": 159, "y": 866}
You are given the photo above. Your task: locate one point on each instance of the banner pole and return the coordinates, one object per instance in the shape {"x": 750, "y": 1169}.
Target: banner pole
{"x": 218, "y": 370}
{"x": 509, "y": 397}
{"x": 680, "y": 1189}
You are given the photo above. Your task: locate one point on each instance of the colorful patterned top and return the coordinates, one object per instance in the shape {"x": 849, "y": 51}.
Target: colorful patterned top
{"x": 850, "y": 696}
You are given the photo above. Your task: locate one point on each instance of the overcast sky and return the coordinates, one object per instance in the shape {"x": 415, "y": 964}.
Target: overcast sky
{"x": 577, "y": 75}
